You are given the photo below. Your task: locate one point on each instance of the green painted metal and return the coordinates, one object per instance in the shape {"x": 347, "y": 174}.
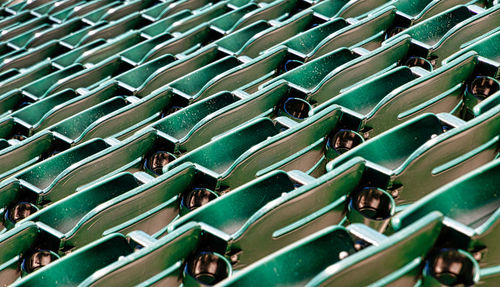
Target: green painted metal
{"x": 489, "y": 53}
{"x": 451, "y": 28}
{"x": 417, "y": 152}
{"x": 422, "y": 10}
{"x": 23, "y": 240}
{"x": 348, "y": 266}
{"x": 243, "y": 142}
{"x": 340, "y": 33}
{"x": 478, "y": 219}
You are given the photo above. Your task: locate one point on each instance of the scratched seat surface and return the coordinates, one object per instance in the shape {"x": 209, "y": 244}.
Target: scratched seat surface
{"x": 249, "y": 142}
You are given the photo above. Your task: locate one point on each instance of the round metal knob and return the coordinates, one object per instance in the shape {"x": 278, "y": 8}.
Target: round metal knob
{"x": 451, "y": 267}
{"x": 158, "y": 160}
{"x": 371, "y": 206}
{"x": 419, "y": 62}
{"x": 342, "y": 141}
{"x": 20, "y": 211}
{"x": 171, "y": 110}
{"x": 38, "y": 260}
{"x": 296, "y": 108}
{"x": 208, "y": 269}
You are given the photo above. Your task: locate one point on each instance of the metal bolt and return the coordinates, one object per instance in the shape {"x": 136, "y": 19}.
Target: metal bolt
{"x": 395, "y": 193}
{"x": 343, "y": 254}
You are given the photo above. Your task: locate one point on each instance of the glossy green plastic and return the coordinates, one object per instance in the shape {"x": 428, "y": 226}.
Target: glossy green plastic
{"x": 344, "y": 67}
